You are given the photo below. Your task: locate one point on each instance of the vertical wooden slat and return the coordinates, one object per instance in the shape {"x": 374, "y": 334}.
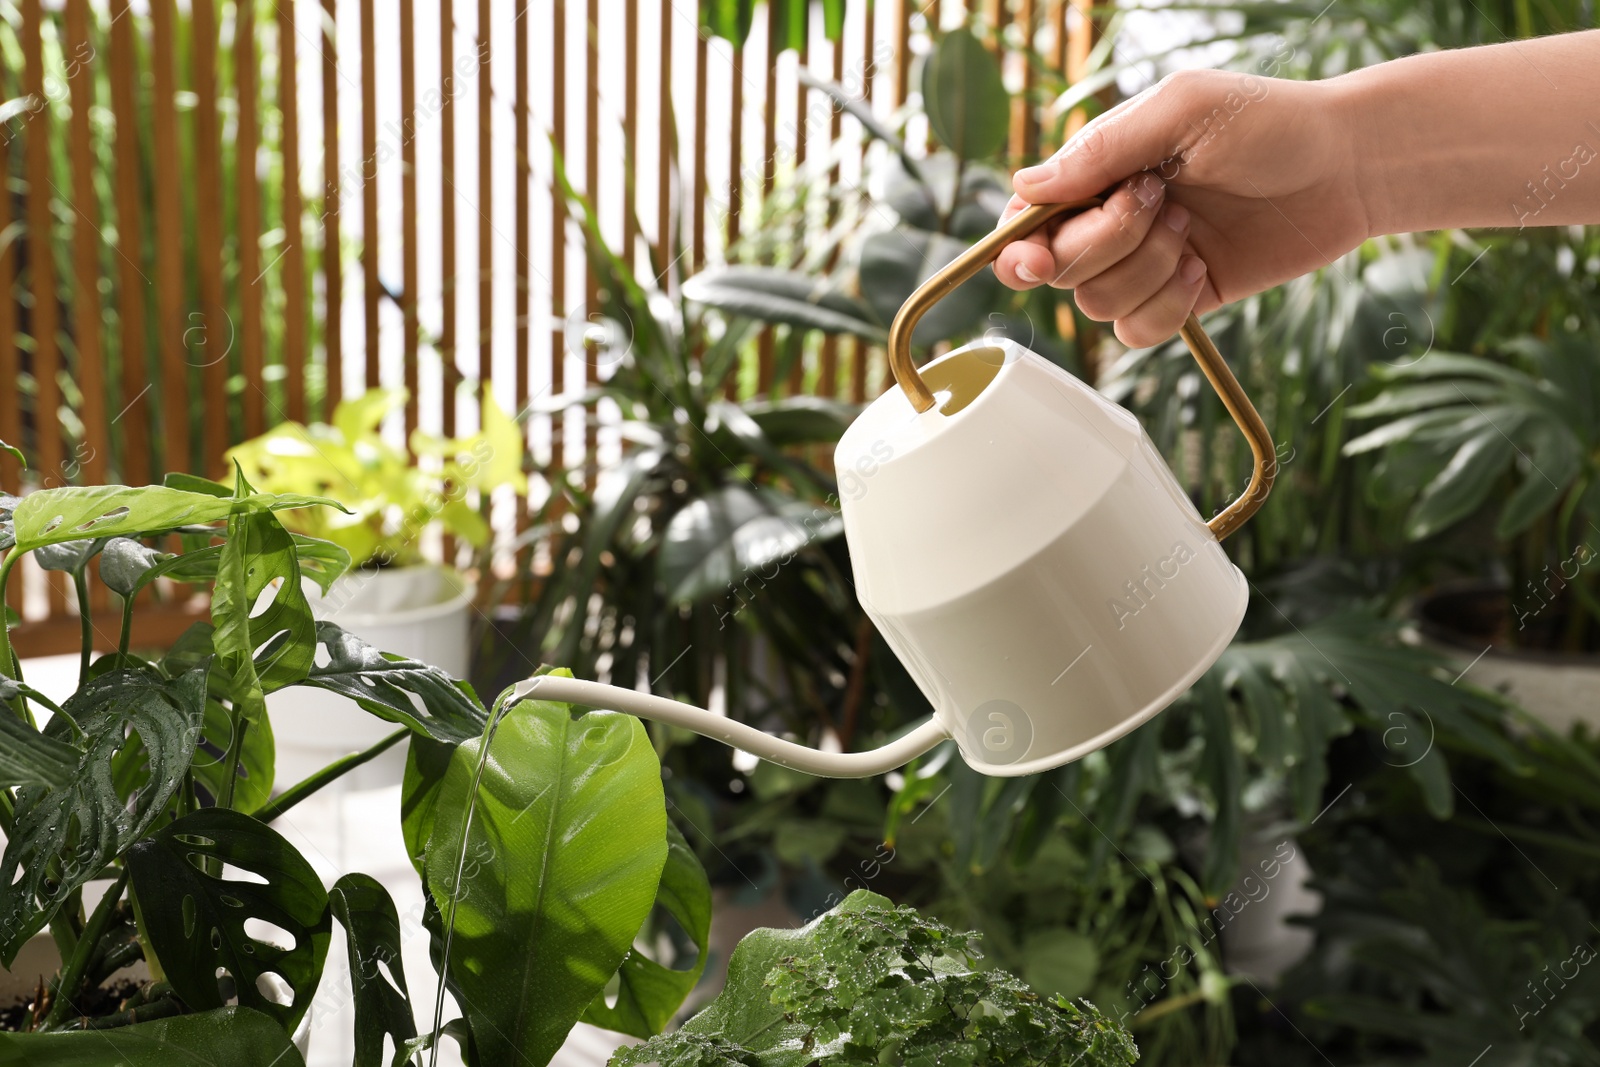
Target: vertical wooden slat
{"x": 167, "y": 220}
{"x": 294, "y": 258}
{"x": 371, "y": 288}
{"x": 769, "y": 174}
{"x": 902, "y": 49}
{"x": 1080, "y": 42}
{"x": 558, "y": 227}
{"x": 408, "y": 208}
{"x": 216, "y": 332}
{"x": 630, "y": 127}
{"x": 10, "y": 364}
{"x": 44, "y": 320}
{"x": 1058, "y": 35}
{"x": 591, "y": 181}
{"x": 41, "y": 258}
{"x": 94, "y": 452}
{"x": 1024, "y": 130}
{"x": 249, "y": 222}
{"x": 485, "y": 202}
{"x": 521, "y": 27}
{"x": 664, "y": 146}
{"x": 735, "y": 147}
{"x": 858, "y": 351}
{"x": 698, "y": 237}
{"x": 447, "y": 218}
{"x": 797, "y": 371}
{"x": 332, "y": 265}
{"x": 828, "y": 370}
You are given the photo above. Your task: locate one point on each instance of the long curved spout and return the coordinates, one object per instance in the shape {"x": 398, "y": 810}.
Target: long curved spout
{"x": 896, "y": 753}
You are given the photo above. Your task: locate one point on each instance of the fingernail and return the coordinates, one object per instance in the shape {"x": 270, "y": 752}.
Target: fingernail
{"x": 1027, "y": 275}
{"x": 1036, "y": 175}
{"x": 1191, "y": 270}
{"x": 1149, "y": 189}
{"x": 1177, "y": 217}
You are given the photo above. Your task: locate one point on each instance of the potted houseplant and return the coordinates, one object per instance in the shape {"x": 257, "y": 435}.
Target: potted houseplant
{"x": 1498, "y": 459}
{"x": 392, "y": 501}
{"x": 155, "y": 778}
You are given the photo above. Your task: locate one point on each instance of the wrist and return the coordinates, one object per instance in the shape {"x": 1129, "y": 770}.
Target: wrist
{"x": 1354, "y": 108}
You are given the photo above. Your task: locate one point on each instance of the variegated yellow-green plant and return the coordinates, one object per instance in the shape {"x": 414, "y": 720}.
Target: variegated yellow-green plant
{"x": 392, "y": 495}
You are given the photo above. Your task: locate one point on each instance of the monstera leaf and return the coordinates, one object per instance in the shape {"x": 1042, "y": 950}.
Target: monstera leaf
{"x": 73, "y": 513}
{"x": 403, "y": 691}
{"x": 372, "y": 935}
{"x": 64, "y": 835}
{"x": 226, "y": 1037}
{"x": 648, "y": 993}
{"x": 533, "y": 944}
{"x": 270, "y": 648}
{"x": 196, "y": 911}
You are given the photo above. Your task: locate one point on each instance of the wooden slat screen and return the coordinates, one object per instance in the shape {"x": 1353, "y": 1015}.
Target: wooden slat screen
{"x": 183, "y": 256}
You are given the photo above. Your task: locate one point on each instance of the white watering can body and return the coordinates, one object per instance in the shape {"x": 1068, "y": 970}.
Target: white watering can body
{"x": 1029, "y": 557}
{"x": 1021, "y": 546}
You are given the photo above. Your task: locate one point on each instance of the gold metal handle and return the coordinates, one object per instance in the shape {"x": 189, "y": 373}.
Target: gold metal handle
{"x": 1201, "y": 347}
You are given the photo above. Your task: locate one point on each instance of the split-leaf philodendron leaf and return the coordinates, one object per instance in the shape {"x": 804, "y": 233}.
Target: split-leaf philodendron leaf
{"x": 194, "y": 912}
{"x": 64, "y": 835}
{"x": 226, "y": 1037}
{"x": 404, "y": 691}
{"x": 378, "y": 980}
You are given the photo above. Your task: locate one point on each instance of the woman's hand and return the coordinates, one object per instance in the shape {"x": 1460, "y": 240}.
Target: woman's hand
{"x": 1225, "y": 184}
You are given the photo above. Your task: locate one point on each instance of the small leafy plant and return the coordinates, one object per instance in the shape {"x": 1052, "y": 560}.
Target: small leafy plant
{"x": 869, "y": 983}
{"x": 388, "y": 496}
{"x": 540, "y": 835}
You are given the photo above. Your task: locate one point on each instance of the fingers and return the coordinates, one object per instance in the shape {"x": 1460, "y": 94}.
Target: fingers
{"x": 1115, "y": 292}
{"x": 1159, "y": 317}
{"x": 1072, "y": 251}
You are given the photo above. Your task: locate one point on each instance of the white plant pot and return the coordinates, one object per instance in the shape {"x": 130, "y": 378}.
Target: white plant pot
{"x": 423, "y": 612}
{"x": 1554, "y": 687}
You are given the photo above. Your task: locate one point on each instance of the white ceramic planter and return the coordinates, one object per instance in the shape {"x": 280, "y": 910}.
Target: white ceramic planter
{"x": 424, "y": 612}
{"x": 1559, "y": 689}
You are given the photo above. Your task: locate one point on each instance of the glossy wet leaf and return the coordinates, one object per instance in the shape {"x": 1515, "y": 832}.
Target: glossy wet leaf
{"x": 225, "y": 1037}
{"x": 535, "y": 942}
{"x": 72, "y": 513}
{"x": 65, "y": 835}
{"x": 27, "y": 756}
{"x": 195, "y": 910}
{"x": 371, "y": 926}
{"x": 404, "y": 691}
{"x": 649, "y": 994}
{"x": 69, "y": 557}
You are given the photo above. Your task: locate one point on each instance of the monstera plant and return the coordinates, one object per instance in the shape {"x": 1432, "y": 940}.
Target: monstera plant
{"x": 540, "y": 834}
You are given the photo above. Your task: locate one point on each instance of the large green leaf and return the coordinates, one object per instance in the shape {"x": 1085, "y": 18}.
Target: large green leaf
{"x": 225, "y": 1037}
{"x": 895, "y": 263}
{"x": 549, "y": 882}
{"x": 372, "y": 936}
{"x": 195, "y": 911}
{"x": 267, "y": 649}
{"x": 65, "y": 835}
{"x": 649, "y": 993}
{"x": 714, "y": 543}
{"x": 789, "y": 297}
{"x": 1464, "y": 484}
{"x": 965, "y": 98}
{"x": 127, "y": 565}
{"x": 72, "y": 513}
{"x": 802, "y": 420}
{"x": 403, "y": 691}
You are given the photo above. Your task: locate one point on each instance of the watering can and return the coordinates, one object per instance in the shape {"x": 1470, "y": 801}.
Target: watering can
{"x": 1021, "y": 546}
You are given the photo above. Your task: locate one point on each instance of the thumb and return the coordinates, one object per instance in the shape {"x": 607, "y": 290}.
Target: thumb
{"x": 1136, "y": 135}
